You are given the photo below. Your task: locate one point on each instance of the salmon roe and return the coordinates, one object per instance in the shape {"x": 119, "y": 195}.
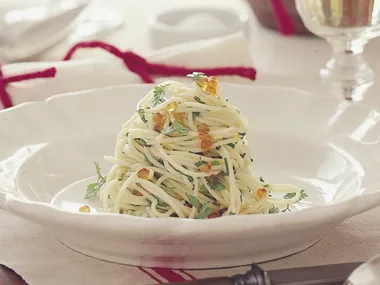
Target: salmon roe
{"x": 214, "y": 215}
{"x": 209, "y": 85}
{"x": 205, "y": 167}
{"x": 206, "y": 143}
{"x": 203, "y": 128}
{"x": 171, "y": 107}
{"x": 158, "y": 118}
{"x": 179, "y": 117}
{"x": 262, "y": 193}
{"x": 143, "y": 173}
{"x": 206, "y": 139}
{"x": 85, "y": 209}
{"x": 157, "y": 127}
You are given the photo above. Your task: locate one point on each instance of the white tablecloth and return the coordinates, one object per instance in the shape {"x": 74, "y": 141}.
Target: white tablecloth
{"x": 291, "y": 61}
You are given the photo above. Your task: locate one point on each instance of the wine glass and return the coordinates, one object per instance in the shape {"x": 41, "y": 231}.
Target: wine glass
{"x": 347, "y": 25}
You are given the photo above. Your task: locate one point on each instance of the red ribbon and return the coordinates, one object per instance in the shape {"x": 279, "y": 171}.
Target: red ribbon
{"x": 145, "y": 69}
{"x": 132, "y": 61}
{"x": 4, "y": 81}
{"x": 285, "y": 22}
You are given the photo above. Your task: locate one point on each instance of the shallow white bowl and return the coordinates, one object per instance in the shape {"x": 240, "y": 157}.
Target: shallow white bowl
{"x": 328, "y": 147}
{"x": 176, "y": 26}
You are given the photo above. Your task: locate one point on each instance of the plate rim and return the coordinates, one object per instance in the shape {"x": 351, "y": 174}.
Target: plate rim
{"x": 14, "y": 204}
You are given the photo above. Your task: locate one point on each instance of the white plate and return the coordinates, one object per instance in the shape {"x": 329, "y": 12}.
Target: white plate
{"x": 324, "y": 145}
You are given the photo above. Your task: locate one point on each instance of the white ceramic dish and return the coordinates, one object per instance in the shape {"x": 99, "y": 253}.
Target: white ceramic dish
{"x": 176, "y": 26}
{"x": 30, "y": 37}
{"x": 326, "y": 146}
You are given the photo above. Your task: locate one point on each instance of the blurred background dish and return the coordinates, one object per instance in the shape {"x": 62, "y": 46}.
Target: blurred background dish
{"x": 28, "y": 31}
{"x": 175, "y": 26}
{"x": 99, "y": 20}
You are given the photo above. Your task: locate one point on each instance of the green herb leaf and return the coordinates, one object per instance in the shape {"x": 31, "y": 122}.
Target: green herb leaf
{"x": 190, "y": 178}
{"x": 266, "y": 185}
{"x": 127, "y": 134}
{"x": 167, "y": 130}
{"x": 175, "y": 128}
{"x": 227, "y": 168}
{"x": 204, "y": 211}
{"x": 195, "y": 114}
{"x": 197, "y": 77}
{"x": 194, "y": 201}
{"x": 231, "y": 214}
{"x": 215, "y": 163}
{"x": 203, "y": 188}
{"x": 242, "y": 135}
{"x": 215, "y": 183}
{"x": 231, "y": 145}
{"x": 219, "y": 187}
{"x": 168, "y": 189}
{"x": 157, "y": 175}
{"x": 290, "y": 195}
{"x": 274, "y": 209}
{"x": 196, "y": 98}
{"x": 287, "y": 209}
{"x": 141, "y": 142}
{"x": 160, "y": 203}
{"x": 243, "y": 155}
{"x": 141, "y": 112}
{"x": 218, "y": 147}
{"x": 261, "y": 179}
{"x": 146, "y": 158}
{"x": 94, "y": 188}
{"x": 303, "y": 195}
{"x": 180, "y": 128}
{"x": 199, "y": 163}
{"x": 158, "y": 94}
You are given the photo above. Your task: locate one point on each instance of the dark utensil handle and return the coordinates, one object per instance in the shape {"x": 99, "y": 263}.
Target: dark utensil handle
{"x": 9, "y": 277}
{"x": 206, "y": 281}
{"x": 255, "y": 276}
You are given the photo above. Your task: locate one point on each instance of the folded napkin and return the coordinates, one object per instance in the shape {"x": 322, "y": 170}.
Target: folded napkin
{"x": 90, "y": 69}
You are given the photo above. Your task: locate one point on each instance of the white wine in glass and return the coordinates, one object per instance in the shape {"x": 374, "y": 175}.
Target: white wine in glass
{"x": 347, "y": 25}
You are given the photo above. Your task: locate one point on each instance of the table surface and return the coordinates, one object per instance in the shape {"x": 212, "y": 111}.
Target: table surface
{"x": 280, "y": 61}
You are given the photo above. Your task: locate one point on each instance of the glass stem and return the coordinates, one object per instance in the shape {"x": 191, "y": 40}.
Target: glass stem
{"x": 347, "y": 70}
{"x": 349, "y": 55}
